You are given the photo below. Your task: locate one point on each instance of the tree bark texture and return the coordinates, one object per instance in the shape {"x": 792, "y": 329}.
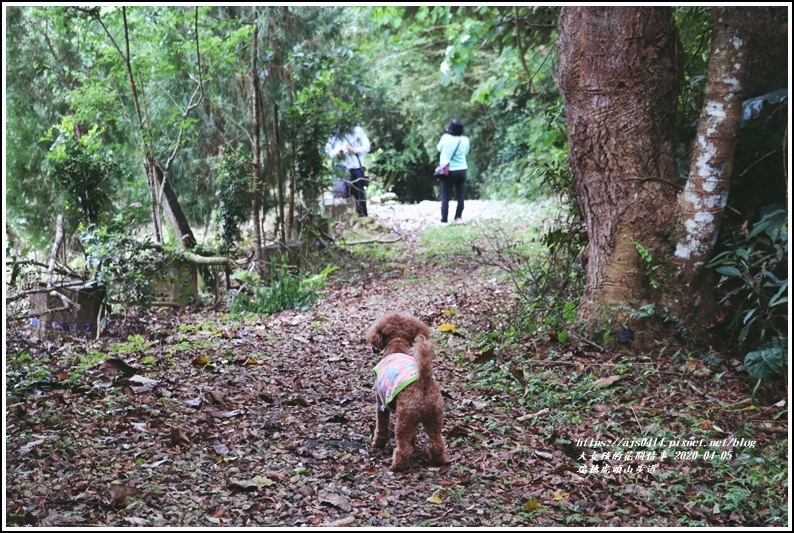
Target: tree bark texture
{"x": 619, "y": 76}
{"x": 711, "y": 166}
{"x": 768, "y": 62}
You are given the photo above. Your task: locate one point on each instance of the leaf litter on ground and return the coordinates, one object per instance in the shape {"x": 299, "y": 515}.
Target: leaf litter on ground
{"x": 205, "y": 438}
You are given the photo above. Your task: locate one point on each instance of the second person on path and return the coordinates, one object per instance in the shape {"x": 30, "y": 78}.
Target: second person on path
{"x": 352, "y": 147}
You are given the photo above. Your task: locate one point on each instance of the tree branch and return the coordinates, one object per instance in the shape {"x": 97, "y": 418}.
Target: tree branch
{"x": 521, "y": 51}
{"x": 370, "y": 241}
{"x": 55, "y": 247}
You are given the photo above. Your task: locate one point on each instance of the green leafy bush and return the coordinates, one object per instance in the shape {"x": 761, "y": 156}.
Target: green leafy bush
{"x": 83, "y": 172}
{"x": 285, "y": 291}
{"x": 234, "y": 195}
{"x": 753, "y": 275}
{"x": 768, "y": 361}
{"x": 125, "y": 265}
{"x": 753, "y": 271}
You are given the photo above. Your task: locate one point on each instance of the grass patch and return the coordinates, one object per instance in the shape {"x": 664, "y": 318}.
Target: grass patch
{"x": 440, "y": 242}
{"x": 691, "y": 485}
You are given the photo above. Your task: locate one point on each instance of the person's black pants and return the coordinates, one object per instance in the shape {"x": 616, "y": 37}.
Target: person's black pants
{"x": 358, "y": 191}
{"x": 455, "y": 179}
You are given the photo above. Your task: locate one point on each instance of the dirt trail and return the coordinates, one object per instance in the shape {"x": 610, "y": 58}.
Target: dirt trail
{"x": 273, "y": 426}
{"x": 267, "y": 421}
{"x": 414, "y": 219}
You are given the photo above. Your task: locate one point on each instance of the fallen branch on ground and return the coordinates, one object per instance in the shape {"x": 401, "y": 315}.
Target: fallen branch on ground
{"x": 369, "y": 241}
{"x": 73, "y": 285}
{"x": 204, "y": 260}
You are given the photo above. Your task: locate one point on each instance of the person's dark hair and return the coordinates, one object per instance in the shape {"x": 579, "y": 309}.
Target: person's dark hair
{"x": 455, "y": 127}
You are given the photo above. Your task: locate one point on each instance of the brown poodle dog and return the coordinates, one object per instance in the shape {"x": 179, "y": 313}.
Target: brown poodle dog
{"x": 405, "y": 386}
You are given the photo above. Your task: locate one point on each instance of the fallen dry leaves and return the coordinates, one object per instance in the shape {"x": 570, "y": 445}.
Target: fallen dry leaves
{"x": 267, "y": 422}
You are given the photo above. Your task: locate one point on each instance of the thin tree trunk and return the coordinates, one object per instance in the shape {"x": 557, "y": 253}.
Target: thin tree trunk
{"x": 55, "y": 247}
{"x": 173, "y": 209}
{"x": 256, "y": 185}
{"x": 706, "y": 192}
{"x": 291, "y": 206}
{"x": 154, "y": 192}
{"x": 291, "y": 211}
{"x": 279, "y": 175}
{"x": 268, "y": 180}
{"x": 520, "y": 46}
{"x": 149, "y": 167}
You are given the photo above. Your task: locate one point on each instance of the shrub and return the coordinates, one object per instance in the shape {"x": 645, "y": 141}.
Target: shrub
{"x": 753, "y": 271}
{"x": 234, "y": 195}
{"x": 286, "y": 290}
{"x": 83, "y": 171}
{"x": 125, "y": 265}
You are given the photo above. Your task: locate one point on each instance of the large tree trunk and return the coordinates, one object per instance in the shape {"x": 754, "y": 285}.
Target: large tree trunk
{"x": 619, "y": 76}
{"x": 649, "y": 240}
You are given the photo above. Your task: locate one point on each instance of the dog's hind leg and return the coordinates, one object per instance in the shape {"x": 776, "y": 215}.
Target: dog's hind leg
{"x": 435, "y": 442}
{"x": 381, "y": 436}
{"x": 405, "y": 435}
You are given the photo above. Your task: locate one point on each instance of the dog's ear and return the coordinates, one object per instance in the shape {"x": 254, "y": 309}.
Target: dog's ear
{"x": 375, "y": 338}
{"x": 378, "y": 341}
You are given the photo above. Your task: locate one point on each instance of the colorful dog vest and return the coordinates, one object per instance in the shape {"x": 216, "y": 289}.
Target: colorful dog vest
{"x": 393, "y": 374}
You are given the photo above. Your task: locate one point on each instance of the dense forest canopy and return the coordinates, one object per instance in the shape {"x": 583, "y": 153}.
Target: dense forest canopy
{"x": 191, "y": 124}
{"x": 402, "y": 72}
{"x": 187, "y": 320}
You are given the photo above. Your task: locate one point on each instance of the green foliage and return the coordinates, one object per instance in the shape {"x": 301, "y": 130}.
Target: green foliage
{"x": 83, "y": 171}
{"x": 234, "y": 194}
{"x": 34, "y": 100}
{"x": 768, "y": 361}
{"x": 694, "y": 31}
{"x": 22, "y": 370}
{"x": 136, "y": 346}
{"x": 530, "y": 153}
{"x": 285, "y": 291}
{"x": 753, "y": 270}
{"x": 127, "y": 266}
{"x": 314, "y": 116}
{"x": 479, "y": 78}
{"x": 650, "y": 266}
{"x": 383, "y": 67}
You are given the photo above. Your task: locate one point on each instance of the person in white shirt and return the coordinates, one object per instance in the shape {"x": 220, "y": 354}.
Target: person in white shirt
{"x": 453, "y": 148}
{"x": 352, "y": 147}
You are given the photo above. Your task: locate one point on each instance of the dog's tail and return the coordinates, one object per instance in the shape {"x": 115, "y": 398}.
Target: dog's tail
{"x": 422, "y": 351}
